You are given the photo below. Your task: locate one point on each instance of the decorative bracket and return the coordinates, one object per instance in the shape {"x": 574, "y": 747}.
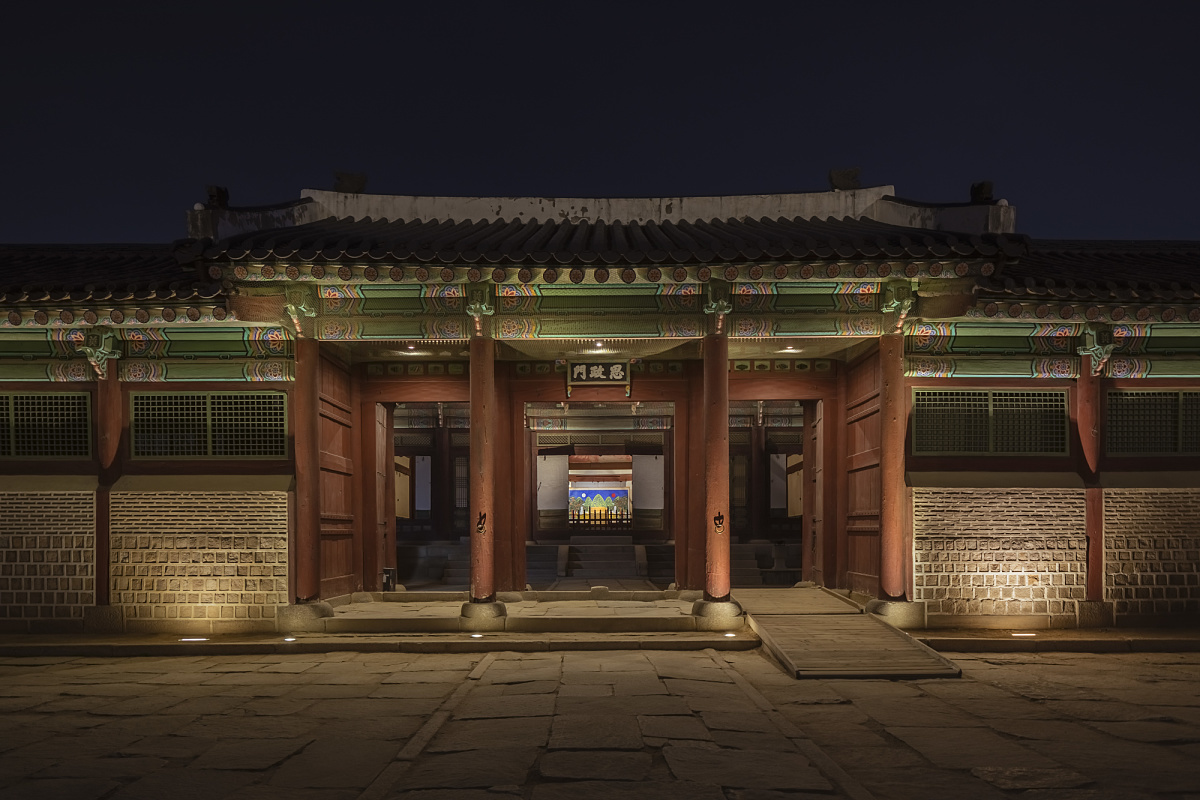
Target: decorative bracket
{"x": 480, "y": 307}
{"x": 297, "y": 310}
{"x": 99, "y": 347}
{"x": 1099, "y": 344}
{"x": 718, "y": 303}
{"x": 899, "y": 298}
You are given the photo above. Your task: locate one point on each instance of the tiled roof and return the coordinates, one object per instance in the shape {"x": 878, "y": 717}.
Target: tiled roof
{"x": 1104, "y": 271}
{"x": 586, "y": 242}
{"x": 85, "y": 272}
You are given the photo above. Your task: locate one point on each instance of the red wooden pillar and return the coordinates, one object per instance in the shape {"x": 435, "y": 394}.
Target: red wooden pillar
{"x": 1087, "y": 422}
{"x": 110, "y": 426}
{"x": 716, "y": 467}
{"x": 483, "y": 468}
{"x": 306, "y": 404}
{"x": 893, "y": 407}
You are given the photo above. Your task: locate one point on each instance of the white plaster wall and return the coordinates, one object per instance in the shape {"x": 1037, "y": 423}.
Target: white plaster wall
{"x": 779, "y": 493}
{"x": 648, "y": 489}
{"x": 423, "y": 481}
{"x": 552, "y": 482}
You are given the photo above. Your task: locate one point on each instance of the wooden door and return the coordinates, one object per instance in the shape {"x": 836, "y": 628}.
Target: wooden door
{"x": 341, "y": 545}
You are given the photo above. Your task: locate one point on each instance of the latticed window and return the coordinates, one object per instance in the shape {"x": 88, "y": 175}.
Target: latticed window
{"x": 220, "y": 425}
{"x": 462, "y": 482}
{"x": 45, "y": 425}
{"x": 987, "y": 422}
{"x": 1152, "y": 422}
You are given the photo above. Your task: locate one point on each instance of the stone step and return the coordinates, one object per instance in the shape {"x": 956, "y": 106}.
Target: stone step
{"x": 601, "y": 540}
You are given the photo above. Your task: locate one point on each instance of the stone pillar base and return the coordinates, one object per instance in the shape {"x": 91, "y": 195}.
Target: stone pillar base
{"x": 1096, "y": 614}
{"x": 713, "y": 615}
{"x": 104, "y": 619}
{"x": 482, "y": 616}
{"x": 899, "y": 614}
{"x": 302, "y": 617}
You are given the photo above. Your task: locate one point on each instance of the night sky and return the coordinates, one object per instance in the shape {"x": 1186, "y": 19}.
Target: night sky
{"x": 1085, "y": 116}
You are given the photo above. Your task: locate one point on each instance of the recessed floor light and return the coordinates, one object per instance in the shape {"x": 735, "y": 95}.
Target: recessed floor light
{"x": 194, "y": 639}
{"x": 476, "y": 635}
{"x": 730, "y": 635}
{"x": 289, "y": 638}
{"x": 1024, "y": 634}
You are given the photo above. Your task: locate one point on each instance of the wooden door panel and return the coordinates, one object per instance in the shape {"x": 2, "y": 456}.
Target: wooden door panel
{"x": 341, "y": 571}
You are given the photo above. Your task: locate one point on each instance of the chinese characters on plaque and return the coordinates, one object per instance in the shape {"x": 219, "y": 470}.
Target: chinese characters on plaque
{"x": 598, "y": 373}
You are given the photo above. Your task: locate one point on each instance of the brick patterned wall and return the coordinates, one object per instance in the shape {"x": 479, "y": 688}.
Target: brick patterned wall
{"x": 1152, "y": 550}
{"x": 199, "y": 555}
{"x": 47, "y": 554}
{"x": 999, "y": 551}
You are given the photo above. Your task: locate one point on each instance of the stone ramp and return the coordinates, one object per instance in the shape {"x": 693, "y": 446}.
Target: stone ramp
{"x": 818, "y": 634}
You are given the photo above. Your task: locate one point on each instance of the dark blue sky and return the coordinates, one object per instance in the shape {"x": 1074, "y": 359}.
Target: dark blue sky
{"x": 1085, "y": 116}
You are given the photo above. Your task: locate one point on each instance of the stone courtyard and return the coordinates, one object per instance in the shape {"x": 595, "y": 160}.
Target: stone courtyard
{"x": 608, "y": 724}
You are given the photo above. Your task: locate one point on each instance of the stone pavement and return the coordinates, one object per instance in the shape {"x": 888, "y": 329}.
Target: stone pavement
{"x": 613, "y": 724}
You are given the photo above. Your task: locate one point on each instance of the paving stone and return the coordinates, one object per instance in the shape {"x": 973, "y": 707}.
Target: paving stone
{"x": 185, "y": 784}
{"x": 750, "y": 740}
{"x": 497, "y": 689}
{"x": 1157, "y": 732}
{"x": 274, "y": 706}
{"x": 523, "y": 676}
{"x": 925, "y": 784}
{"x": 595, "y": 764}
{"x": 671, "y": 727}
{"x": 538, "y": 705}
{"x": 203, "y": 705}
{"x": 1014, "y": 778}
{"x": 248, "y": 753}
{"x": 615, "y": 790}
{"x": 477, "y": 734}
{"x": 906, "y": 710}
{"x": 80, "y": 746}
{"x": 335, "y": 763}
{"x": 428, "y": 676}
{"x": 60, "y": 789}
{"x": 1101, "y": 710}
{"x": 393, "y": 729}
{"x": 738, "y": 721}
{"x": 586, "y": 690}
{"x": 414, "y": 690}
{"x": 471, "y": 769}
{"x": 966, "y": 748}
{"x": 597, "y": 731}
{"x": 231, "y": 727}
{"x": 373, "y": 708}
{"x": 629, "y": 706}
{"x": 640, "y": 685}
{"x": 761, "y": 769}
{"x": 115, "y": 767}
{"x": 692, "y": 688}
{"x": 490, "y": 793}
{"x": 331, "y": 691}
{"x": 168, "y": 746}
{"x": 259, "y": 792}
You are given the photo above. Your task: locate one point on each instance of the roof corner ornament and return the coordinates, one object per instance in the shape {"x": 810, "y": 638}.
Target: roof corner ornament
{"x": 718, "y": 304}
{"x": 1098, "y": 343}
{"x": 99, "y": 346}
{"x": 899, "y": 298}
{"x": 297, "y": 310}
{"x": 478, "y": 308}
